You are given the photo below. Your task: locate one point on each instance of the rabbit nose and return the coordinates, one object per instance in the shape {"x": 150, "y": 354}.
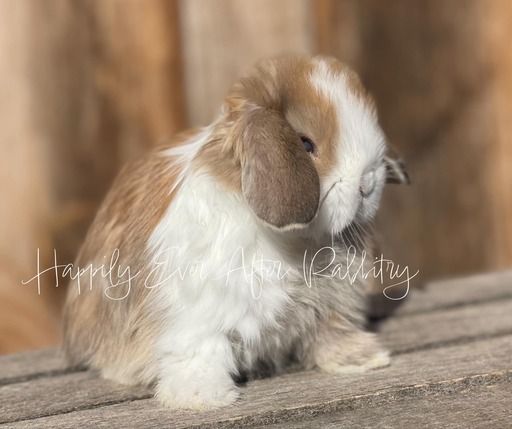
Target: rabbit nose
{"x": 367, "y": 184}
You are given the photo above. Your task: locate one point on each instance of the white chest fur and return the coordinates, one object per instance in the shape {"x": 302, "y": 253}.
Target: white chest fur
{"x": 217, "y": 274}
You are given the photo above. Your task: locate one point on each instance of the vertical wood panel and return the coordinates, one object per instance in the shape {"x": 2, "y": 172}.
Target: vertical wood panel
{"x": 91, "y": 84}
{"x": 107, "y": 83}
{"x": 440, "y": 82}
{"x": 222, "y": 38}
{"x": 337, "y": 30}
{"x": 498, "y": 15}
{"x": 25, "y": 318}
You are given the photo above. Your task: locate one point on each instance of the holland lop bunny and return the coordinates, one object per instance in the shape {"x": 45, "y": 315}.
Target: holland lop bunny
{"x": 206, "y": 245}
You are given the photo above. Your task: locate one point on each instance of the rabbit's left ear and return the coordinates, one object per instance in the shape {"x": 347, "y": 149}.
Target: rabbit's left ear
{"x": 279, "y": 180}
{"x": 396, "y": 171}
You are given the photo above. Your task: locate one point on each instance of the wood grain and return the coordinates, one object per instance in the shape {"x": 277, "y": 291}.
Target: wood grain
{"x": 441, "y": 76}
{"x": 441, "y": 294}
{"x": 18, "y": 367}
{"x": 87, "y": 86}
{"x": 294, "y": 397}
{"x": 25, "y": 189}
{"x": 457, "y": 292}
{"x": 222, "y": 38}
{"x": 438, "y": 112}
{"x": 434, "y": 329}
{"x": 107, "y": 77}
{"x": 499, "y": 179}
{"x": 63, "y": 394}
{"x": 482, "y": 406}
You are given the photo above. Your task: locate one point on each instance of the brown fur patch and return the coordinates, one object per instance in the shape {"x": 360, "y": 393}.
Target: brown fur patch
{"x": 283, "y": 84}
{"x": 116, "y": 335}
{"x": 220, "y": 160}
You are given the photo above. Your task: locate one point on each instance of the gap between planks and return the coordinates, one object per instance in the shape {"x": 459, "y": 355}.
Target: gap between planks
{"x": 458, "y": 292}
{"x": 485, "y": 405}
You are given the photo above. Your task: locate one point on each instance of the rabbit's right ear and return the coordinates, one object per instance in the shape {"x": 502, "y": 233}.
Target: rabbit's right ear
{"x": 396, "y": 171}
{"x": 279, "y": 180}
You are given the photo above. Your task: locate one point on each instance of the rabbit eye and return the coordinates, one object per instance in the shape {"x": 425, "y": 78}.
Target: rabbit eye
{"x": 308, "y": 145}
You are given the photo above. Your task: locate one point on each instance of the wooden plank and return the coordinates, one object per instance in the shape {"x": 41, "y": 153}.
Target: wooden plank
{"x": 482, "y": 406}
{"x": 337, "y": 30}
{"x": 457, "y": 292}
{"x": 86, "y": 87}
{"x": 293, "y": 397}
{"x": 63, "y": 394}
{"x": 441, "y": 71}
{"x": 430, "y": 107}
{"x": 434, "y": 329}
{"x": 222, "y": 38}
{"x": 26, "y": 319}
{"x": 115, "y": 98}
{"x": 20, "y": 367}
{"x": 499, "y": 13}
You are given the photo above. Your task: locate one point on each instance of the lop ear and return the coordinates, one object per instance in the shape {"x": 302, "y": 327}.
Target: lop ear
{"x": 279, "y": 180}
{"x": 395, "y": 170}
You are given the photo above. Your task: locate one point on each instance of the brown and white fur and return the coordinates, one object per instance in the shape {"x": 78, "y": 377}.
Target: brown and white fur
{"x": 237, "y": 192}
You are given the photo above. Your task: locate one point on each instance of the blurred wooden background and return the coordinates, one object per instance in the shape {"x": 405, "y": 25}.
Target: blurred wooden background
{"x": 88, "y": 85}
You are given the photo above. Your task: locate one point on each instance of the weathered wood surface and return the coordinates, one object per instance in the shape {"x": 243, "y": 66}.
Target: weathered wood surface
{"x": 222, "y": 38}
{"x": 459, "y": 292}
{"x": 87, "y": 86}
{"x": 30, "y": 365}
{"x": 452, "y": 366}
{"x": 441, "y": 72}
{"x": 288, "y": 398}
{"x": 477, "y": 406}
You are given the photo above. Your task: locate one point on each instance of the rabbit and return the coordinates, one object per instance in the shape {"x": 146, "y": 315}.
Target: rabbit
{"x": 193, "y": 273}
